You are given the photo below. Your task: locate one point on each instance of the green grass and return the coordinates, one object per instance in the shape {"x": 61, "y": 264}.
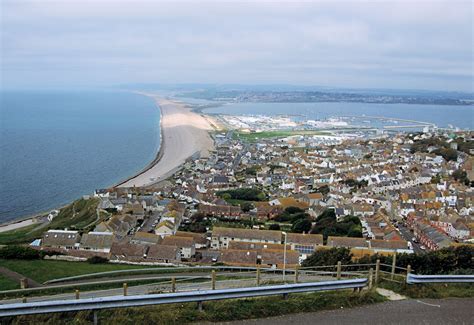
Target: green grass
{"x": 216, "y": 311}
{"x": 76, "y": 216}
{"x": 7, "y": 283}
{"x": 432, "y": 291}
{"x": 17, "y": 236}
{"x": 252, "y": 137}
{"x": 44, "y": 270}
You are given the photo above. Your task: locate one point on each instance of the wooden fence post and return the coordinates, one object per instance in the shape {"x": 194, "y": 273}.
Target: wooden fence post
{"x": 125, "y": 289}
{"x": 23, "y": 299}
{"x": 339, "y": 270}
{"x": 394, "y": 264}
{"x": 77, "y": 293}
{"x": 377, "y": 271}
{"x": 371, "y": 277}
{"x": 258, "y": 275}
{"x": 213, "y": 279}
{"x": 297, "y": 271}
{"x": 173, "y": 284}
{"x": 24, "y": 283}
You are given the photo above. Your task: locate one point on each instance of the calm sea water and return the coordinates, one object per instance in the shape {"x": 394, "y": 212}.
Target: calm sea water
{"x": 441, "y": 115}
{"x": 57, "y": 146}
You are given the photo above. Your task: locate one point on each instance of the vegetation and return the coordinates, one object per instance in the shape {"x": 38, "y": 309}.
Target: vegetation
{"x": 44, "y": 270}
{"x": 255, "y": 136}
{"x": 79, "y": 215}
{"x": 331, "y": 256}
{"x": 431, "y": 291}
{"x": 245, "y": 194}
{"x": 97, "y": 260}
{"x": 444, "y": 261}
{"x": 327, "y": 225}
{"x": 461, "y": 176}
{"x": 274, "y": 226}
{"x": 216, "y": 311}
{"x": 355, "y": 183}
{"x": 440, "y": 147}
{"x": 8, "y": 284}
{"x": 324, "y": 190}
{"x": 20, "y": 253}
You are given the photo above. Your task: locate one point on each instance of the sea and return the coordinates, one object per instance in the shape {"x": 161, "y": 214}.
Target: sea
{"x": 56, "y": 146}
{"x": 444, "y": 116}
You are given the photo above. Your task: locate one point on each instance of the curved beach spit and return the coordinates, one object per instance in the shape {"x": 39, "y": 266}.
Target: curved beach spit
{"x": 183, "y": 134}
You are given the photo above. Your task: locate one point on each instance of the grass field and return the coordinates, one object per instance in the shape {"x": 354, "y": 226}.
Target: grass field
{"x": 8, "y": 284}
{"x": 44, "y": 270}
{"x": 252, "y": 137}
{"x": 216, "y": 311}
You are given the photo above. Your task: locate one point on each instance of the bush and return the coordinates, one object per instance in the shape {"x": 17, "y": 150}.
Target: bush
{"x": 274, "y": 226}
{"x": 19, "y": 253}
{"x": 331, "y": 256}
{"x": 302, "y": 225}
{"x": 97, "y": 260}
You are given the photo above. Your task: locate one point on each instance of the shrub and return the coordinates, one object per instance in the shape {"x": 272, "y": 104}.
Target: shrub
{"x": 19, "y": 253}
{"x": 97, "y": 260}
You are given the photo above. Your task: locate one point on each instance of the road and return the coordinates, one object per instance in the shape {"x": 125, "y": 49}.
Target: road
{"x": 426, "y": 311}
{"x": 408, "y": 235}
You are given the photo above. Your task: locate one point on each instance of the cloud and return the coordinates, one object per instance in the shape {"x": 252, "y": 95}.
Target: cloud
{"x": 390, "y": 44}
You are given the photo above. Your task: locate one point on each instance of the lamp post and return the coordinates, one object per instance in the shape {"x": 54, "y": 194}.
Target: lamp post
{"x": 284, "y": 255}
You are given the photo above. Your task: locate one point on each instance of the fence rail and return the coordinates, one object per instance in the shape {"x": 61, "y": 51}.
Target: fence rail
{"x": 413, "y": 278}
{"x": 169, "y": 298}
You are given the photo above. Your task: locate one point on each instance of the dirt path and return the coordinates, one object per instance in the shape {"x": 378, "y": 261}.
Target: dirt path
{"x": 17, "y": 277}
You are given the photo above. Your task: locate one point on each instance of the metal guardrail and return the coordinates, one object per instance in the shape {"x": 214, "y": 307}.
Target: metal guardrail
{"x": 414, "y": 278}
{"x": 170, "y": 298}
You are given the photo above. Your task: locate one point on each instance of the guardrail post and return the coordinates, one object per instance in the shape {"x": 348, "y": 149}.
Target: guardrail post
{"x": 213, "y": 277}
{"x": 24, "y": 283}
{"x": 96, "y": 319}
{"x": 394, "y": 263}
{"x": 297, "y": 271}
{"x": 377, "y": 271}
{"x": 285, "y": 296}
{"x": 125, "y": 289}
{"x": 77, "y": 294}
{"x": 371, "y": 277}
{"x": 199, "y": 304}
{"x": 258, "y": 275}
{"x": 339, "y": 270}
{"x": 173, "y": 284}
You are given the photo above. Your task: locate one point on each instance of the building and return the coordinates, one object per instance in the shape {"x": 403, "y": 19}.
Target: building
{"x": 97, "y": 241}
{"x": 222, "y": 236}
{"x": 61, "y": 239}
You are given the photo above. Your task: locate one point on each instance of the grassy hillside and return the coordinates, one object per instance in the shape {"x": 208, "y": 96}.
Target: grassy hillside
{"x": 79, "y": 215}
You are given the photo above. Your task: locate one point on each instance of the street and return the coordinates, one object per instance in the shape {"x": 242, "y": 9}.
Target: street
{"x": 425, "y": 311}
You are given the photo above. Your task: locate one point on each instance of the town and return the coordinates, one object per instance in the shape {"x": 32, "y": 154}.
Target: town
{"x": 275, "y": 201}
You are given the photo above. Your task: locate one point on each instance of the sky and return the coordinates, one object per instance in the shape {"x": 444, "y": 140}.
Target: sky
{"x": 357, "y": 44}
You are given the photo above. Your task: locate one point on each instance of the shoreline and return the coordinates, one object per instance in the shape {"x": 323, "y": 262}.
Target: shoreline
{"x": 172, "y": 163}
{"x": 184, "y": 133}
{"x": 159, "y": 154}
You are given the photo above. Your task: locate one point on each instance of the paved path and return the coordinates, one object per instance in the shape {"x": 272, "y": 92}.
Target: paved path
{"x": 425, "y": 311}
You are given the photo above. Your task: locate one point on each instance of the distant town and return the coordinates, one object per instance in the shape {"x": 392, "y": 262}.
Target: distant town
{"x": 272, "y": 199}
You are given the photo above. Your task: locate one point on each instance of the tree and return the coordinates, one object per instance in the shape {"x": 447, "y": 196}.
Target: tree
{"x": 324, "y": 257}
{"x": 302, "y": 225}
{"x": 324, "y": 190}
{"x": 246, "y": 206}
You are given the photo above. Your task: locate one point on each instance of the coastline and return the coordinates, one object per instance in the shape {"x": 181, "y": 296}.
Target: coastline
{"x": 191, "y": 123}
{"x": 184, "y": 133}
